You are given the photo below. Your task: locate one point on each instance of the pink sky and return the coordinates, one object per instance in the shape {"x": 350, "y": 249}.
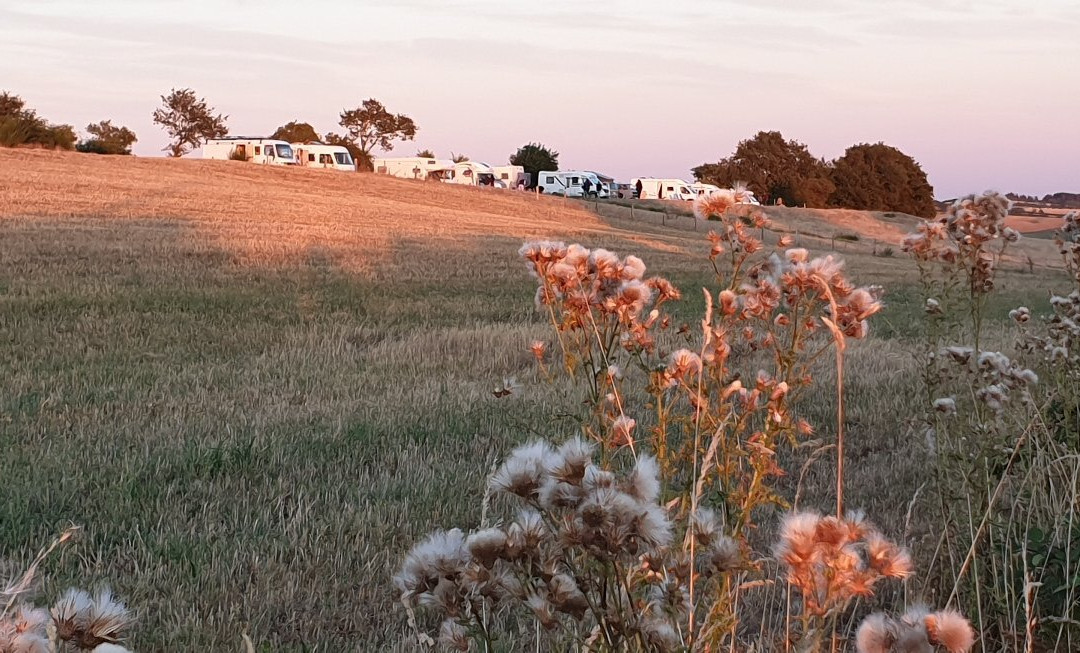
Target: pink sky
{"x": 983, "y": 94}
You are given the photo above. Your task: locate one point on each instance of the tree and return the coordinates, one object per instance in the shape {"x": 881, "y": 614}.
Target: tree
{"x": 458, "y": 158}
{"x": 880, "y": 177}
{"x": 426, "y": 154}
{"x": 361, "y": 158}
{"x": 371, "y": 125}
{"x": 535, "y": 157}
{"x": 105, "y": 138}
{"x": 296, "y": 132}
{"x": 20, "y": 126}
{"x": 772, "y": 168}
{"x": 188, "y": 121}
{"x": 11, "y": 105}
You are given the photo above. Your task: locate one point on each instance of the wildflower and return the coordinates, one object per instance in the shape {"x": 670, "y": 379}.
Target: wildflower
{"x": 797, "y": 255}
{"x": 660, "y": 634}
{"x": 596, "y": 478}
{"x": 1011, "y": 235}
{"x": 570, "y": 460}
{"x": 441, "y": 554}
{"x": 886, "y": 558}
{"x": 724, "y": 555}
{"x": 508, "y": 387}
{"x": 876, "y": 634}
{"x": 644, "y": 481}
{"x": 945, "y": 406}
{"x": 605, "y": 264}
{"x": 728, "y": 302}
{"x": 538, "y": 347}
{"x": 487, "y": 546}
{"x": 633, "y": 268}
{"x": 622, "y": 430}
{"x": 950, "y": 630}
{"x": 523, "y": 472}
{"x": 713, "y": 205}
{"x": 566, "y": 596}
{"x": 1020, "y": 315}
{"x": 452, "y": 636}
{"x": 797, "y": 538}
{"x": 684, "y": 363}
{"x": 543, "y": 610}
{"x": 71, "y": 613}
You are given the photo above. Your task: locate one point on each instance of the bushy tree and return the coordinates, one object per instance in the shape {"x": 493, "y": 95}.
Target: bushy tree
{"x": 296, "y": 132}
{"x": 879, "y": 177}
{"x": 426, "y": 154}
{"x": 370, "y": 125}
{"x": 773, "y": 168}
{"x": 188, "y": 120}
{"x": 535, "y": 157}
{"x": 458, "y": 158}
{"x": 22, "y": 126}
{"x": 106, "y": 138}
{"x": 361, "y": 158}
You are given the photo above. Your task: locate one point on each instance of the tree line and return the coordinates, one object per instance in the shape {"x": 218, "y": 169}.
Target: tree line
{"x": 868, "y": 176}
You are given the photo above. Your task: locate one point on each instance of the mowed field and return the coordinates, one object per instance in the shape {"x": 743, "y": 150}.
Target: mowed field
{"x": 255, "y": 388}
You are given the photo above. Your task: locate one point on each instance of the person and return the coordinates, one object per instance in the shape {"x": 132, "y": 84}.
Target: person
{"x": 586, "y": 186}
{"x": 637, "y": 190}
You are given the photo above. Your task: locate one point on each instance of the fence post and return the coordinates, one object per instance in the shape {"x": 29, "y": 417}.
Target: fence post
{"x": 664, "y": 219}
{"x": 631, "y": 211}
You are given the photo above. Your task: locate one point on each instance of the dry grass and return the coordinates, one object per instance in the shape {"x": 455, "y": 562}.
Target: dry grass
{"x": 256, "y": 387}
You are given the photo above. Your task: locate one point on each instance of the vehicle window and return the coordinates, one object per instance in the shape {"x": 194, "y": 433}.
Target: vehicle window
{"x": 311, "y": 157}
{"x": 505, "y": 175}
{"x": 258, "y": 150}
{"x": 671, "y": 189}
{"x": 343, "y": 158}
{"x": 574, "y": 181}
{"x": 325, "y": 158}
{"x": 550, "y": 180}
{"x": 284, "y": 151}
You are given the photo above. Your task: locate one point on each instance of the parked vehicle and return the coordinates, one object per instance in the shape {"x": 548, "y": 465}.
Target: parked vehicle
{"x": 415, "y": 168}
{"x": 570, "y": 183}
{"x": 664, "y": 189}
{"x": 266, "y": 151}
{"x": 512, "y": 176}
{"x": 473, "y": 173}
{"x": 739, "y": 195}
{"x": 321, "y": 155}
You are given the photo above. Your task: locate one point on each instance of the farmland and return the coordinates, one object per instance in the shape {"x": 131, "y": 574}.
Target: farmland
{"x": 255, "y": 387}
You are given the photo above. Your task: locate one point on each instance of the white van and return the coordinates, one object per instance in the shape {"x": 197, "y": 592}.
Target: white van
{"x": 738, "y": 195}
{"x": 663, "y": 189}
{"x": 320, "y": 155}
{"x": 570, "y": 183}
{"x": 266, "y": 151}
{"x": 512, "y": 176}
{"x": 414, "y": 167}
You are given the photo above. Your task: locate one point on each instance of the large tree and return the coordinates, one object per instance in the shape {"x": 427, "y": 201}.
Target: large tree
{"x": 20, "y": 126}
{"x": 188, "y": 120}
{"x": 535, "y": 157}
{"x": 773, "y": 168}
{"x": 426, "y": 154}
{"x": 459, "y": 158}
{"x": 106, "y": 138}
{"x": 361, "y": 158}
{"x": 370, "y": 125}
{"x": 296, "y": 132}
{"x": 880, "y": 177}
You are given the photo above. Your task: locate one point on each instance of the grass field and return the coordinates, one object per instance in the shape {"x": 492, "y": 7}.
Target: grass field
{"x": 255, "y": 388}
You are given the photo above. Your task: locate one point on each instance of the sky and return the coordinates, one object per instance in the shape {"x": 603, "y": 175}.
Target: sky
{"x": 983, "y": 94}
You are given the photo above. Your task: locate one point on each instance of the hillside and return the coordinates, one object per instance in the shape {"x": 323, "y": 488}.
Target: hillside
{"x": 255, "y": 388}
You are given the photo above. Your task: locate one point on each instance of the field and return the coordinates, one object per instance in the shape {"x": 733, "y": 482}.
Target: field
{"x": 254, "y": 388}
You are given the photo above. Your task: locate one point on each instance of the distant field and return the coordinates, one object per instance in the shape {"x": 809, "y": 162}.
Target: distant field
{"x": 256, "y": 387}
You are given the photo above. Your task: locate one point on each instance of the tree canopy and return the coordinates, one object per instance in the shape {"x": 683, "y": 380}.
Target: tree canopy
{"x": 458, "y": 158}
{"x": 773, "y": 168}
{"x": 106, "y": 138}
{"x": 296, "y": 132}
{"x": 535, "y": 157}
{"x": 370, "y": 125}
{"x": 426, "y": 154}
{"x": 880, "y": 177}
{"x": 20, "y": 126}
{"x": 188, "y": 121}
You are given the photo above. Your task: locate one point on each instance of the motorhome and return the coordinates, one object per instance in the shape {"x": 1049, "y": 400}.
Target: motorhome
{"x": 266, "y": 151}
{"x": 738, "y": 195}
{"x": 512, "y": 176}
{"x": 473, "y": 173}
{"x": 321, "y": 155}
{"x": 570, "y": 183}
{"x": 704, "y": 189}
{"x": 415, "y": 168}
{"x": 663, "y": 189}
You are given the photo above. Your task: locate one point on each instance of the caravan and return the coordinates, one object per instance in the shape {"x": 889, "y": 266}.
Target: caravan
{"x": 266, "y": 151}
{"x": 512, "y": 176}
{"x": 415, "y": 168}
{"x": 472, "y": 173}
{"x": 570, "y": 183}
{"x": 320, "y": 155}
{"x": 738, "y": 195}
{"x": 663, "y": 189}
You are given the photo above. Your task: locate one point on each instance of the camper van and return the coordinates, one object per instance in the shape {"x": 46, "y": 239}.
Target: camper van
{"x": 266, "y": 151}
{"x": 320, "y": 155}
{"x": 415, "y": 168}
{"x": 570, "y": 183}
{"x": 737, "y": 195}
{"x": 704, "y": 189}
{"x": 473, "y": 173}
{"x": 512, "y": 176}
{"x": 663, "y": 189}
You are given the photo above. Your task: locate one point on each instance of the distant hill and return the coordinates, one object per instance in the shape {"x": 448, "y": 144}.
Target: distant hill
{"x": 1051, "y": 204}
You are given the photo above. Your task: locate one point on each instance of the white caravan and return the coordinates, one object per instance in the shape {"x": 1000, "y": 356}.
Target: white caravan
{"x": 663, "y": 189}
{"x": 415, "y": 168}
{"x": 472, "y": 173}
{"x": 570, "y": 183}
{"x": 321, "y": 155}
{"x": 736, "y": 195}
{"x": 512, "y": 176}
{"x": 266, "y": 151}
